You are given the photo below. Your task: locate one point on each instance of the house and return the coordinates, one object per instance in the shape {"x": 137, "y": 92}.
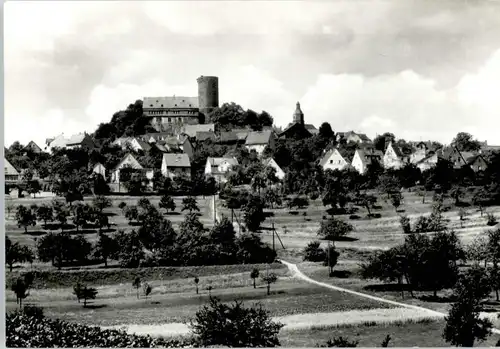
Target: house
{"x": 99, "y": 168}
{"x": 477, "y": 163}
{"x": 137, "y": 144}
{"x": 33, "y": 147}
{"x": 174, "y": 165}
{"x": 457, "y": 158}
{"x": 394, "y": 157}
{"x": 129, "y": 161}
{"x": 56, "y": 142}
{"x": 428, "y": 162}
{"x": 187, "y": 147}
{"x": 219, "y": 168}
{"x": 364, "y": 157}
{"x": 228, "y": 138}
{"x": 270, "y": 162}
{"x": 10, "y": 172}
{"x": 201, "y": 136}
{"x": 335, "y": 159}
{"x": 80, "y": 140}
{"x": 352, "y": 136}
{"x": 259, "y": 140}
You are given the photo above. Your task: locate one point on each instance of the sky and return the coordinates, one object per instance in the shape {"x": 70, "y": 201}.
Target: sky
{"x": 420, "y": 69}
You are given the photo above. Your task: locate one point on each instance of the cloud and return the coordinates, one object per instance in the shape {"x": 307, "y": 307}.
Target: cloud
{"x": 414, "y": 67}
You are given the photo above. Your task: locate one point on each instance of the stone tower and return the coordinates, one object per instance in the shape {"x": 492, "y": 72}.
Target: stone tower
{"x": 298, "y": 115}
{"x": 208, "y": 93}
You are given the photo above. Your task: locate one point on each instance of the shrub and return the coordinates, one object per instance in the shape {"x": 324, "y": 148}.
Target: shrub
{"x": 23, "y": 330}
{"x": 491, "y": 219}
{"x": 313, "y": 253}
{"x": 354, "y": 217}
{"x": 233, "y": 325}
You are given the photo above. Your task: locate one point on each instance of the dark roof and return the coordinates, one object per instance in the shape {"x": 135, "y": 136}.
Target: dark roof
{"x": 397, "y": 150}
{"x": 368, "y": 154}
{"x": 203, "y": 135}
{"x": 145, "y": 146}
{"x": 170, "y": 102}
{"x": 295, "y": 125}
{"x": 258, "y": 137}
{"x": 176, "y": 160}
{"x": 191, "y": 130}
{"x": 227, "y": 137}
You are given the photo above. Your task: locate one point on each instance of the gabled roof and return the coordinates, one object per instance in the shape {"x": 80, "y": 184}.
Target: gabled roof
{"x": 295, "y": 125}
{"x": 170, "y": 102}
{"x": 161, "y": 148}
{"x": 426, "y": 158}
{"x": 203, "y": 135}
{"x": 217, "y": 161}
{"x": 145, "y": 146}
{"x": 125, "y": 158}
{"x": 32, "y": 145}
{"x": 76, "y": 139}
{"x": 396, "y": 149}
{"x": 368, "y": 154}
{"x": 227, "y": 137}
{"x": 329, "y": 153}
{"x": 472, "y": 159}
{"x": 258, "y": 137}
{"x": 176, "y": 160}
{"x": 191, "y": 130}
{"x": 10, "y": 170}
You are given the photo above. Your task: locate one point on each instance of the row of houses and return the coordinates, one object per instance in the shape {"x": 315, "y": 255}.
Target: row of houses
{"x": 423, "y": 155}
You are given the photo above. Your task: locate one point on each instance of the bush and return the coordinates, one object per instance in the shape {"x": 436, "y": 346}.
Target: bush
{"x": 354, "y": 217}
{"x": 34, "y": 331}
{"x": 313, "y": 253}
{"x": 235, "y": 326}
{"x": 491, "y": 219}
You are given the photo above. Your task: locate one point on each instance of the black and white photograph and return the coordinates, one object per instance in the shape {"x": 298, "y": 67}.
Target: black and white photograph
{"x": 190, "y": 174}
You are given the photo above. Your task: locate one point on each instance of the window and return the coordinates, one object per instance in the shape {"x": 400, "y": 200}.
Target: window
{"x": 331, "y": 161}
{"x": 169, "y": 119}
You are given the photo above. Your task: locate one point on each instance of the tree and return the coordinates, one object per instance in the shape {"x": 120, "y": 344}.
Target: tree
{"x": 269, "y": 279}
{"x": 79, "y": 215}
{"x": 167, "y": 202}
{"x": 334, "y": 229}
{"x": 340, "y": 342}
{"x": 196, "y": 281}
{"x": 325, "y": 131}
{"x": 44, "y": 213}
{"x": 233, "y": 325}
{"x": 381, "y": 141}
{"x": 480, "y": 199}
{"x": 189, "y": 203}
{"x": 85, "y": 293}
{"x": 331, "y": 258}
{"x": 16, "y": 253}
{"x": 405, "y": 224}
{"x": 463, "y": 324}
{"x": 464, "y": 141}
{"x": 314, "y": 253}
{"x": 61, "y": 216}
{"x": 106, "y": 247}
{"x": 33, "y": 187}
{"x": 456, "y": 193}
{"x": 101, "y": 202}
{"x": 254, "y": 275}
{"x": 137, "y": 285}
{"x": 20, "y": 288}
{"x": 131, "y": 213}
{"x": 477, "y": 250}
{"x": 144, "y": 203}
{"x": 396, "y": 200}
{"x": 25, "y": 217}
{"x": 462, "y": 214}
{"x": 254, "y": 213}
{"x": 367, "y": 201}
{"x": 147, "y": 289}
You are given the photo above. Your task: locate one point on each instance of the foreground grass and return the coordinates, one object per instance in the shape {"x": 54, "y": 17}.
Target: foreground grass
{"x": 421, "y": 333}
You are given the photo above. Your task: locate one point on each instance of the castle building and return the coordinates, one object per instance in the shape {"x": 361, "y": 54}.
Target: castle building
{"x": 169, "y": 114}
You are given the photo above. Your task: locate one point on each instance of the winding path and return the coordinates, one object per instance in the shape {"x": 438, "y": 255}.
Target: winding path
{"x": 294, "y": 270}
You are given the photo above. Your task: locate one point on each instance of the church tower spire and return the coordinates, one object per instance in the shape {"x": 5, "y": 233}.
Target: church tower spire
{"x": 298, "y": 115}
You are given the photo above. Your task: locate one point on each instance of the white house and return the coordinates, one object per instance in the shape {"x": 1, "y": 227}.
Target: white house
{"x": 99, "y": 169}
{"x": 427, "y": 162}
{"x": 364, "y": 157}
{"x": 134, "y": 143}
{"x": 219, "y": 168}
{"x": 334, "y": 160}
{"x": 11, "y": 173}
{"x": 271, "y": 163}
{"x": 174, "y": 165}
{"x": 259, "y": 140}
{"x": 129, "y": 161}
{"x": 394, "y": 158}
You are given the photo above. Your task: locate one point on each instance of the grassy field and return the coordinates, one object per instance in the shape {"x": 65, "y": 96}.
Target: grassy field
{"x": 423, "y": 333}
{"x": 116, "y": 217}
{"x": 175, "y": 300}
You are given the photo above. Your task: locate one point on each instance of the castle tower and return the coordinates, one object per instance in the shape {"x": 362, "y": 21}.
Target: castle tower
{"x": 208, "y": 93}
{"x": 298, "y": 115}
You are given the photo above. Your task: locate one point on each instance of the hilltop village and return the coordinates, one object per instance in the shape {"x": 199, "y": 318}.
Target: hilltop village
{"x": 179, "y": 207}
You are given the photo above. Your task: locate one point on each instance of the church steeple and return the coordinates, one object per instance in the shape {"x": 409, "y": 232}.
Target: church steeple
{"x": 298, "y": 115}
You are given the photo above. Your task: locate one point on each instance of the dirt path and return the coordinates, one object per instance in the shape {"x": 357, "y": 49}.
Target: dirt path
{"x": 294, "y": 270}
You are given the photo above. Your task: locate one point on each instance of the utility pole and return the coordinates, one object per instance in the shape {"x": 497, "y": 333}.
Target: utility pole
{"x": 274, "y": 249}
{"x": 328, "y": 255}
